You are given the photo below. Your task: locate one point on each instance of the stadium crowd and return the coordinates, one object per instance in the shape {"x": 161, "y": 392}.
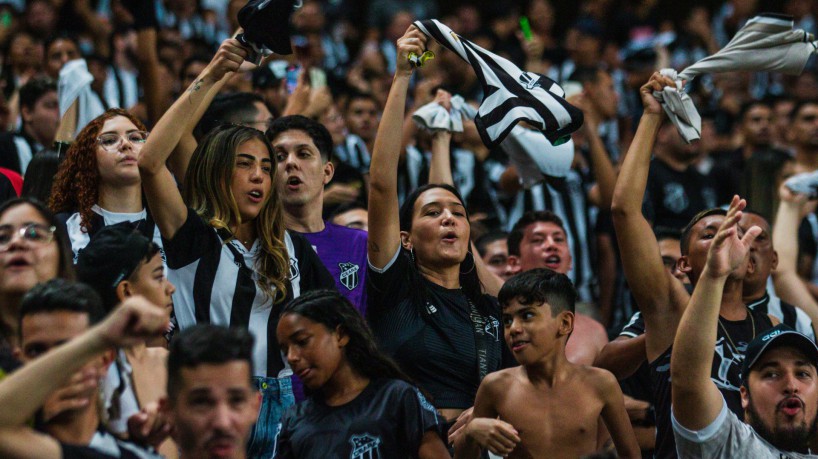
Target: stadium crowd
{"x": 354, "y": 249}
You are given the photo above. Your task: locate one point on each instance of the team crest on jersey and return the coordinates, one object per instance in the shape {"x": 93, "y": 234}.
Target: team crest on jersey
{"x": 365, "y": 447}
{"x": 294, "y": 268}
{"x": 530, "y": 80}
{"x": 349, "y": 275}
{"x": 676, "y": 199}
{"x": 493, "y": 328}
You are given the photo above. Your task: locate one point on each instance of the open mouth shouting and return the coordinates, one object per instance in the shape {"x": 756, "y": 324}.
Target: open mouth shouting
{"x": 450, "y": 237}
{"x": 17, "y": 262}
{"x": 293, "y": 183}
{"x": 553, "y": 262}
{"x": 791, "y": 406}
{"x": 256, "y": 196}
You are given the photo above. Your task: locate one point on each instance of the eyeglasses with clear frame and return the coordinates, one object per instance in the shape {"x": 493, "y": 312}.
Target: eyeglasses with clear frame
{"x": 111, "y": 141}
{"x": 31, "y": 232}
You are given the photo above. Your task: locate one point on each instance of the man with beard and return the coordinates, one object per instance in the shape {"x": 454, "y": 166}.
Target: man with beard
{"x": 661, "y": 297}
{"x": 779, "y": 388}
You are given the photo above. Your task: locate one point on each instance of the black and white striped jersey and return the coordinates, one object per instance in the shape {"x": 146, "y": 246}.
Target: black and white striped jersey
{"x": 216, "y": 283}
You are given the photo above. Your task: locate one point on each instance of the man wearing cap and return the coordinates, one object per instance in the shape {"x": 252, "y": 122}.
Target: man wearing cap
{"x": 779, "y": 387}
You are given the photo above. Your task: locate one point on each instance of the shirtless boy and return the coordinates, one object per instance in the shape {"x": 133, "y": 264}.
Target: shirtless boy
{"x": 548, "y": 406}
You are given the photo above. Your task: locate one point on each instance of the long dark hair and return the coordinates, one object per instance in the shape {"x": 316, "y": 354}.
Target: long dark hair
{"x": 469, "y": 280}
{"x": 334, "y": 311}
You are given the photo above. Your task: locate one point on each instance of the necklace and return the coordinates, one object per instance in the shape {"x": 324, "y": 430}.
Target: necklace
{"x": 724, "y": 329}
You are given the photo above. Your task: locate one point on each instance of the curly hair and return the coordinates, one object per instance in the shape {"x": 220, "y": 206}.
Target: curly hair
{"x": 76, "y": 186}
{"x": 207, "y": 191}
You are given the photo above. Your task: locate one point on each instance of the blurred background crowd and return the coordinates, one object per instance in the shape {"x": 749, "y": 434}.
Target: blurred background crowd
{"x": 340, "y": 75}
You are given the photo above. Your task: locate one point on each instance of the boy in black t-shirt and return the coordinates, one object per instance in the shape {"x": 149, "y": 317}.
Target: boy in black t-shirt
{"x": 546, "y": 407}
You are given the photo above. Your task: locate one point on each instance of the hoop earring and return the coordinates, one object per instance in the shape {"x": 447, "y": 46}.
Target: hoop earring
{"x": 473, "y": 264}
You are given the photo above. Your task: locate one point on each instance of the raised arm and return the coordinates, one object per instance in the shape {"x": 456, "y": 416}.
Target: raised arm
{"x": 25, "y": 390}
{"x": 384, "y": 224}
{"x": 180, "y": 158}
{"x": 601, "y": 165}
{"x": 639, "y": 250}
{"x": 440, "y": 170}
{"x": 696, "y": 399}
{"x": 788, "y": 285}
{"x": 165, "y": 201}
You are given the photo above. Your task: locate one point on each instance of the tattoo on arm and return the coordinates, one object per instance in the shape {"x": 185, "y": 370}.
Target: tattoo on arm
{"x": 197, "y": 85}
{"x": 374, "y": 247}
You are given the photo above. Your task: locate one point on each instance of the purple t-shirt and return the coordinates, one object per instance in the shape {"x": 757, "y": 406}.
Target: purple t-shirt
{"x": 343, "y": 252}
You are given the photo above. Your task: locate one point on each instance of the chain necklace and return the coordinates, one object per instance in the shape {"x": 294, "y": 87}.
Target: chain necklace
{"x": 724, "y": 329}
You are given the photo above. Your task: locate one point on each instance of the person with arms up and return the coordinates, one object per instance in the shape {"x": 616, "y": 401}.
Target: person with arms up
{"x": 661, "y": 297}
{"x": 548, "y": 406}
{"x": 426, "y": 306}
{"x": 228, "y": 253}
{"x": 779, "y": 388}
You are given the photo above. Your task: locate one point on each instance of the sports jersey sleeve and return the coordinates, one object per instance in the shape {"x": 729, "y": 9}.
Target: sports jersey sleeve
{"x": 635, "y": 326}
{"x": 419, "y": 417}
{"x": 726, "y": 437}
{"x": 189, "y": 241}
{"x": 384, "y": 284}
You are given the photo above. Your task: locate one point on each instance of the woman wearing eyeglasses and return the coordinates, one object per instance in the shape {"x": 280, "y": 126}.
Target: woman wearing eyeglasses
{"x": 98, "y": 183}
{"x": 33, "y": 249}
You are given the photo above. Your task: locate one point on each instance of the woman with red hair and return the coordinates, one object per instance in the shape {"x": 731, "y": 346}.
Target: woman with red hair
{"x": 98, "y": 183}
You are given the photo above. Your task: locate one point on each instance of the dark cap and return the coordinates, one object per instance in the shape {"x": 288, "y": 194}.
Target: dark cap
{"x": 780, "y": 335}
{"x": 113, "y": 254}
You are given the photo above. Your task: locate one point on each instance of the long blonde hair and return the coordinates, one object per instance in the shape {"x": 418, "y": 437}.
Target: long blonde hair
{"x": 207, "y": 191}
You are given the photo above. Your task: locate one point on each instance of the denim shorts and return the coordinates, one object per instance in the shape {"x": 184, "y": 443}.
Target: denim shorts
{"x": 276, "y": 396}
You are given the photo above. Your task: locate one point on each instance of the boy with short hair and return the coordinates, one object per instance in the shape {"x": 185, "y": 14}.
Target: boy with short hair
{"x": 119, "y": 262}
{"x": 546, "y": 407}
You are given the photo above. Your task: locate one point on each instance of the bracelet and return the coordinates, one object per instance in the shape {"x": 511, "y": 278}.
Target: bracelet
{"x": 61, "y": 147}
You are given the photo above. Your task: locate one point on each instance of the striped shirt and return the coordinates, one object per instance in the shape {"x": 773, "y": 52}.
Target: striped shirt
{"x": 214, "y": 284}
{"x": 566, "y": 198}
{"x": 81, "y": 236}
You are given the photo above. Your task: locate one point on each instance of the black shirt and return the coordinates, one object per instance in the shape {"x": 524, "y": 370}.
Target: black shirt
{"x": 387, "y": 419}
{"x": 428, "y": 330}
{"x": 728, "y": 356}
{"x": 673, "y": 198}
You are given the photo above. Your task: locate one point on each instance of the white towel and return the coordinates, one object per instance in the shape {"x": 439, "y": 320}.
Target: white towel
{"x": 75, "y": 84}
{"x": 535, "y": 157}
{"x": 805, "y": 183}
{"x": 434, "y": 117}
{"x": 767, "y": 43}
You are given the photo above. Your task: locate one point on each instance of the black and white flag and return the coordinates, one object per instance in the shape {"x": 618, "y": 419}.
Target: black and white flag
{"x": 510, "y": 95}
